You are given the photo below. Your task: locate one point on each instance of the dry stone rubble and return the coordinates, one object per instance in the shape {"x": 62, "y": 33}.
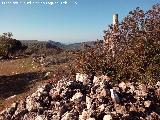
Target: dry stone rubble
{"x": 88, "y": 98}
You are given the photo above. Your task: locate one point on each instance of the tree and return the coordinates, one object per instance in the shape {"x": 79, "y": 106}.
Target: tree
{"x": 136, "y": 47}
{"x": 9, "y": 46}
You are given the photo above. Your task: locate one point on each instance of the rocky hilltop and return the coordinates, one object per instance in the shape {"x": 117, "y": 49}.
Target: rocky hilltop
{"x": 88, "y": 98}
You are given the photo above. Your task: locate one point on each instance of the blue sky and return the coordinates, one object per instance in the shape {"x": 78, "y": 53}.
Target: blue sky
{"x": 67, "y": 23}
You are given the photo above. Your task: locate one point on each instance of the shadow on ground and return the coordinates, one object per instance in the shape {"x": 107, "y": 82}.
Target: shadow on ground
{"x": 16, "y": 84}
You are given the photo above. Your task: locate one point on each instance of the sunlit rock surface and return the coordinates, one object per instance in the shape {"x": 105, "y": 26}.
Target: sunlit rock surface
{"x": 86, "y": 98}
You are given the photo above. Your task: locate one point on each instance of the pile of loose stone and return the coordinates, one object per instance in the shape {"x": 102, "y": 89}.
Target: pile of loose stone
{"x": 88, "y": 98}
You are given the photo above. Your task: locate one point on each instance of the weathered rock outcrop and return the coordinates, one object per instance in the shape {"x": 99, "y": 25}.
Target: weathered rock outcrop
{"x": 88, "y": 99}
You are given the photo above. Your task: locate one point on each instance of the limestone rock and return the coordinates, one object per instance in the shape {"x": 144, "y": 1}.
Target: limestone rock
{"x": 82, "y": 78}
{"x": 114, "y": 96}
{"x": 40, "y": 117}
{"x": 107, "y": 117}
{"x": 67, "y": 116}
{"x": 31, "y": 103}
{"x": 91, "y": 119}
{"x": 147, "y": 103}
{"x": 120, "y": 109}
{"x": 123, "y": 86}
{"x": 78, "y": 96}
{"x": 84, "y": 115}
{"x": 86, "y": 100}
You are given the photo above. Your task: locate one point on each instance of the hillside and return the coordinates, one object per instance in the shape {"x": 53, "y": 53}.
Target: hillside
{"x": 54, "y": 44}
{"x": 79, "y": 46}
{"x": 111, "y": 79}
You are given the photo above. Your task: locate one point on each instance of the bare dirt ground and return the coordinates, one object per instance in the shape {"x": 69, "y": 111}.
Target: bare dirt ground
{"x": 17, "y": 66}
{"x": 18, "y": 77}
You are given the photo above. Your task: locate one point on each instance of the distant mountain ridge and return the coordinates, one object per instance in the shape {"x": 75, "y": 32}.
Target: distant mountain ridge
{"x": 79, "y": 46}
{"x": 73, "y": 46}
{"x": 54, "y": 43}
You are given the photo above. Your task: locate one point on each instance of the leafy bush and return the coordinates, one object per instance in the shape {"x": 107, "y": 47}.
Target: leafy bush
{"x": 136, "y": 49}
{"x": 9, "y": 46}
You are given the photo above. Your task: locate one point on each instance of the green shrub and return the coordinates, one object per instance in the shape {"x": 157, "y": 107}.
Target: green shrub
{"x": 9, "y": 46}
